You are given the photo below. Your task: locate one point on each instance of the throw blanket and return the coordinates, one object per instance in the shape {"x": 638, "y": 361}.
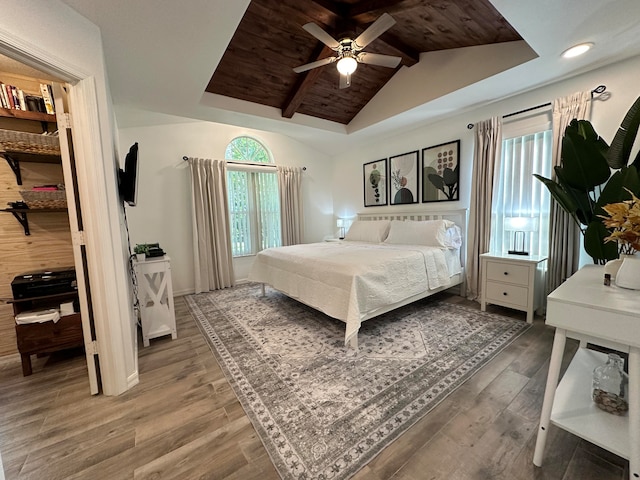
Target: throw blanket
{"x": 351, "y": 280}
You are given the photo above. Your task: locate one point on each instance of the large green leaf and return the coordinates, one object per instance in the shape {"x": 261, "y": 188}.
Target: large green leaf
{"x": 620, "y": 150}
{"x": 565, "y": 201}
{"x": 594, "y": 243}
{"x": 615, "y": 191}
{"x": 583, "y": 164}
{"x": 584, "y": 203}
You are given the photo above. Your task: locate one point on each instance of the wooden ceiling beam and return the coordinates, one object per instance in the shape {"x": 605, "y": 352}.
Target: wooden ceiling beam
{"x": 304, "y": 84}
{"x": 338, "y": 10}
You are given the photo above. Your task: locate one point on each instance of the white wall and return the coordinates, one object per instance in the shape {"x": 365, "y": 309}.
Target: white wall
{"x": 58, "y": 40}
{"x": 163, "y": 210}
{"x": 621, "y": 80}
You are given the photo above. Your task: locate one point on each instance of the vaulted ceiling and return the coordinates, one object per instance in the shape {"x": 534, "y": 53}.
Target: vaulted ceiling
{"x": 257, "y": 65}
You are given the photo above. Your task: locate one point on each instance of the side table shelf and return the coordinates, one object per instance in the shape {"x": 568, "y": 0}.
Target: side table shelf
{"x": 584, "y": 309}
{"x": 574, "y": 411}
{"x": 155, "y": 293}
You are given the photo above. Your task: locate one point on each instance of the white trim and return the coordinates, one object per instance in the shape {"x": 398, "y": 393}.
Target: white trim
{"x": 104, "y": 244}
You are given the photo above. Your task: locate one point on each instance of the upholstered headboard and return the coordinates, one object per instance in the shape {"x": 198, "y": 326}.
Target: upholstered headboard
{"x": 459, "y": 217}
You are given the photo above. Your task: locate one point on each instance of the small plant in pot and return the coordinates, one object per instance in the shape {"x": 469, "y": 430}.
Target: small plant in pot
{"x": 141, "y": 251}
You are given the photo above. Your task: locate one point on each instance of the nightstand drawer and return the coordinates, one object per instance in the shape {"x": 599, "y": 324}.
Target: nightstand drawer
{"x": 505, "y": 293}
{"x": 506, "y": 272}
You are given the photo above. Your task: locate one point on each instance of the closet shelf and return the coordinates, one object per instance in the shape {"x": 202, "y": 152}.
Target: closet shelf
{"x": 21, "y": 214}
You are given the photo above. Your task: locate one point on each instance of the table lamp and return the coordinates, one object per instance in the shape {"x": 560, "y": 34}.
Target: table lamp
{"x": 520, "y": 226}
{"x": 340, "y": 225}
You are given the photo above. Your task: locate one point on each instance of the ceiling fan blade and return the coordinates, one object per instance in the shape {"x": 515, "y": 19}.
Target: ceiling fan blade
{"x": 345, "y": 81}
{"x": 380, "y": 60}
{"x": 321, "y": 35}
{"x": 317, "y": 63}
{"x": 377, "y": 28}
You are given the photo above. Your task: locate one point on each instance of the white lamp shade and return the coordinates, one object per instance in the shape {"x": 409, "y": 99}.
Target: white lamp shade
{"x": 521, "y": 224}
{"x": 347, "y": 65}
{"x": 340, "y": 223}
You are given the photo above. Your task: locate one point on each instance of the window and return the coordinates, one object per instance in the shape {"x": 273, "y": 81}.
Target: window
{"x": 254, "y": 203}
{"x": 517, "y": 193}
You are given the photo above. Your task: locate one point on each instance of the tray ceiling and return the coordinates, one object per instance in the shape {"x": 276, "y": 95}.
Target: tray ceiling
{"x": 257, "y": 65}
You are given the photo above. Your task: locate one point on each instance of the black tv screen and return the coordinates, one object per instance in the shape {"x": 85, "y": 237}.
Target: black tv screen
{"x": 128, "y": 178}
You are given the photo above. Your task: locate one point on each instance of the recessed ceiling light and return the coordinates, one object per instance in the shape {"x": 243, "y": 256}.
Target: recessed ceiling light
{"x": 577, "y": 50}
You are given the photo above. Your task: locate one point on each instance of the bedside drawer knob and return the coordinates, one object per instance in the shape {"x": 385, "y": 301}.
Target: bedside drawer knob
{"x": 504, "y": 293}
{"x": 506, "y": 273}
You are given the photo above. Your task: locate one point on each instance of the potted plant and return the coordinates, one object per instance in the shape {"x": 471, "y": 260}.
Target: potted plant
{"x": 593, "y": 174}
{"x": 141, "y": 250}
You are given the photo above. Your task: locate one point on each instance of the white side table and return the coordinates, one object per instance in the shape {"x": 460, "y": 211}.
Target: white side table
{"x": 513, "y": 281}
{"x": 155, "y": 293}
{"x": 609, "y": 316}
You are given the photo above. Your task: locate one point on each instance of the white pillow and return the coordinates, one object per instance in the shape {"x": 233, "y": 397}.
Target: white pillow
{"x": 374, "y": 231}
{"x": 433, "y": 233}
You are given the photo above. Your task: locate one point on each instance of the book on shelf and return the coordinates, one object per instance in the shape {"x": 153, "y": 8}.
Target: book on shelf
{"x": 47, "y": 95}
{"x": 3, "y": 96}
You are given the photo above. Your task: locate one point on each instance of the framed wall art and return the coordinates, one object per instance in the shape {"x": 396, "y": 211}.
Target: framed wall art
{"x": 441, "y": 173}
{"x": 374, "y": 182}
{"x": 403, "y": 178}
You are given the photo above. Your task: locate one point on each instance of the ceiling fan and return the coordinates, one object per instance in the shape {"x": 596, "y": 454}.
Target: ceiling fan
{"x": 349, "y": 52}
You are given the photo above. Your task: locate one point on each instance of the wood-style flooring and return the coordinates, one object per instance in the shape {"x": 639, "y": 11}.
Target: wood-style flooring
{"x": 184, "y": 422}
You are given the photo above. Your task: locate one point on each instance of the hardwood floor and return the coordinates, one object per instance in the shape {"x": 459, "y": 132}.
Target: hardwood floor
{"x": 183, "y": 421}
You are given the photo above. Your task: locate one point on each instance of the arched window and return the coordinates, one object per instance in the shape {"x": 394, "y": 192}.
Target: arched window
{"x": 247, "y": 149}
{"x": 254, "y": 202}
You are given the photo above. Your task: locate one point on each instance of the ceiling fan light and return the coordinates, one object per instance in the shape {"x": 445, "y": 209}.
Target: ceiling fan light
{"x": 347, "y": 65}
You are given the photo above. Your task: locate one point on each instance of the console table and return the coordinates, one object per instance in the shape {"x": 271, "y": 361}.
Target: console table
{"x": 155, "y": 293}
{"x": 585, "y": 309}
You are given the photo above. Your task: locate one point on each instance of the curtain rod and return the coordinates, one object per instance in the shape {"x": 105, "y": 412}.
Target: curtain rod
{"x": 598, "y": 90}
{"x": 269, "y": 165}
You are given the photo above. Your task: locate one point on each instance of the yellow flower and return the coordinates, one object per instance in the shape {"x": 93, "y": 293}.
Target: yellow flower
{"x": 623, "y": 221}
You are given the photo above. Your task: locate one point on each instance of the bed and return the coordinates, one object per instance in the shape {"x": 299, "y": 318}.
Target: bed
{"x": 386, "y": 261}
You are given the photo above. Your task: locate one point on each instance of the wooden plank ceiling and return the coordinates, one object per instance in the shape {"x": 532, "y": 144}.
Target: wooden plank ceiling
{"x": 269, "y": 42}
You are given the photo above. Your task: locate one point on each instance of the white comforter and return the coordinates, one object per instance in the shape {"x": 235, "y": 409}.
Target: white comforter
{"x": 350, "y": 280}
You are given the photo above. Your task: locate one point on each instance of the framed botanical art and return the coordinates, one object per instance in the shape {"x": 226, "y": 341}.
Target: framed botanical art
{"x": 441, "y": 173}
{"x": 375, "y": 183}
{"x": 403, "y": 178}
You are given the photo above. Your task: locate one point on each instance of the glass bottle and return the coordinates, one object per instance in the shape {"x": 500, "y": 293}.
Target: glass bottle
{"x": 611, "y": 386}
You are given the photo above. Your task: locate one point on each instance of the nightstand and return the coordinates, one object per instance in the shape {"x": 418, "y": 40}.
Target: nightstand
{"x": 513, "y": 281}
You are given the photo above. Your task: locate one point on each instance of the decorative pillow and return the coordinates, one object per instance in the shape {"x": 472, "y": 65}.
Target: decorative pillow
{"x": 433, "y": 233}
{"x": 374, "y": 231}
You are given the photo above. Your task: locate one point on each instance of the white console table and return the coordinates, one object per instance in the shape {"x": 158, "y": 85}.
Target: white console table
{"x": 585, "y": 309}
{"x": 155, "y": 293}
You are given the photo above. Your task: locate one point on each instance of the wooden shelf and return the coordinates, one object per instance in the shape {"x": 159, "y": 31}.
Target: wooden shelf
{"x": 20, "y": 214}
{"x": 14, "y": 159}
{"x": 27, "y": 115}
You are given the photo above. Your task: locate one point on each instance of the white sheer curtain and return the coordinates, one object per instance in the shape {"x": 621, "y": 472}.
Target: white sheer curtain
{"x": 519, "y": 194}
{"x": 487, "y": 145}
{"x": 213, "y": 261}
{"x": 290, "y": 185}
{"x": 564, "y": 234}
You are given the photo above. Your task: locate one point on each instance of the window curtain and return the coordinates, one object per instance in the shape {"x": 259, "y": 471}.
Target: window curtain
{"x": 564, "y": 234}
{"x": 213, "y": 261}
{"x": 487, "y": 144}
{"x": 290, "y": 185}
{"x": 518, "y": 193}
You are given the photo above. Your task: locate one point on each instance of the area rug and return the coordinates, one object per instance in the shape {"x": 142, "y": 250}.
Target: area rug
{"x": 321, "y": 410}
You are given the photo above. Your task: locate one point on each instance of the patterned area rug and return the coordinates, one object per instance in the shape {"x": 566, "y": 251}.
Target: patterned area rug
{"x": 322, "y": 411}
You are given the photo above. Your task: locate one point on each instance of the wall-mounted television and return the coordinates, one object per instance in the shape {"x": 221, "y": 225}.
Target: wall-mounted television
{"x": 128, "y": 178}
